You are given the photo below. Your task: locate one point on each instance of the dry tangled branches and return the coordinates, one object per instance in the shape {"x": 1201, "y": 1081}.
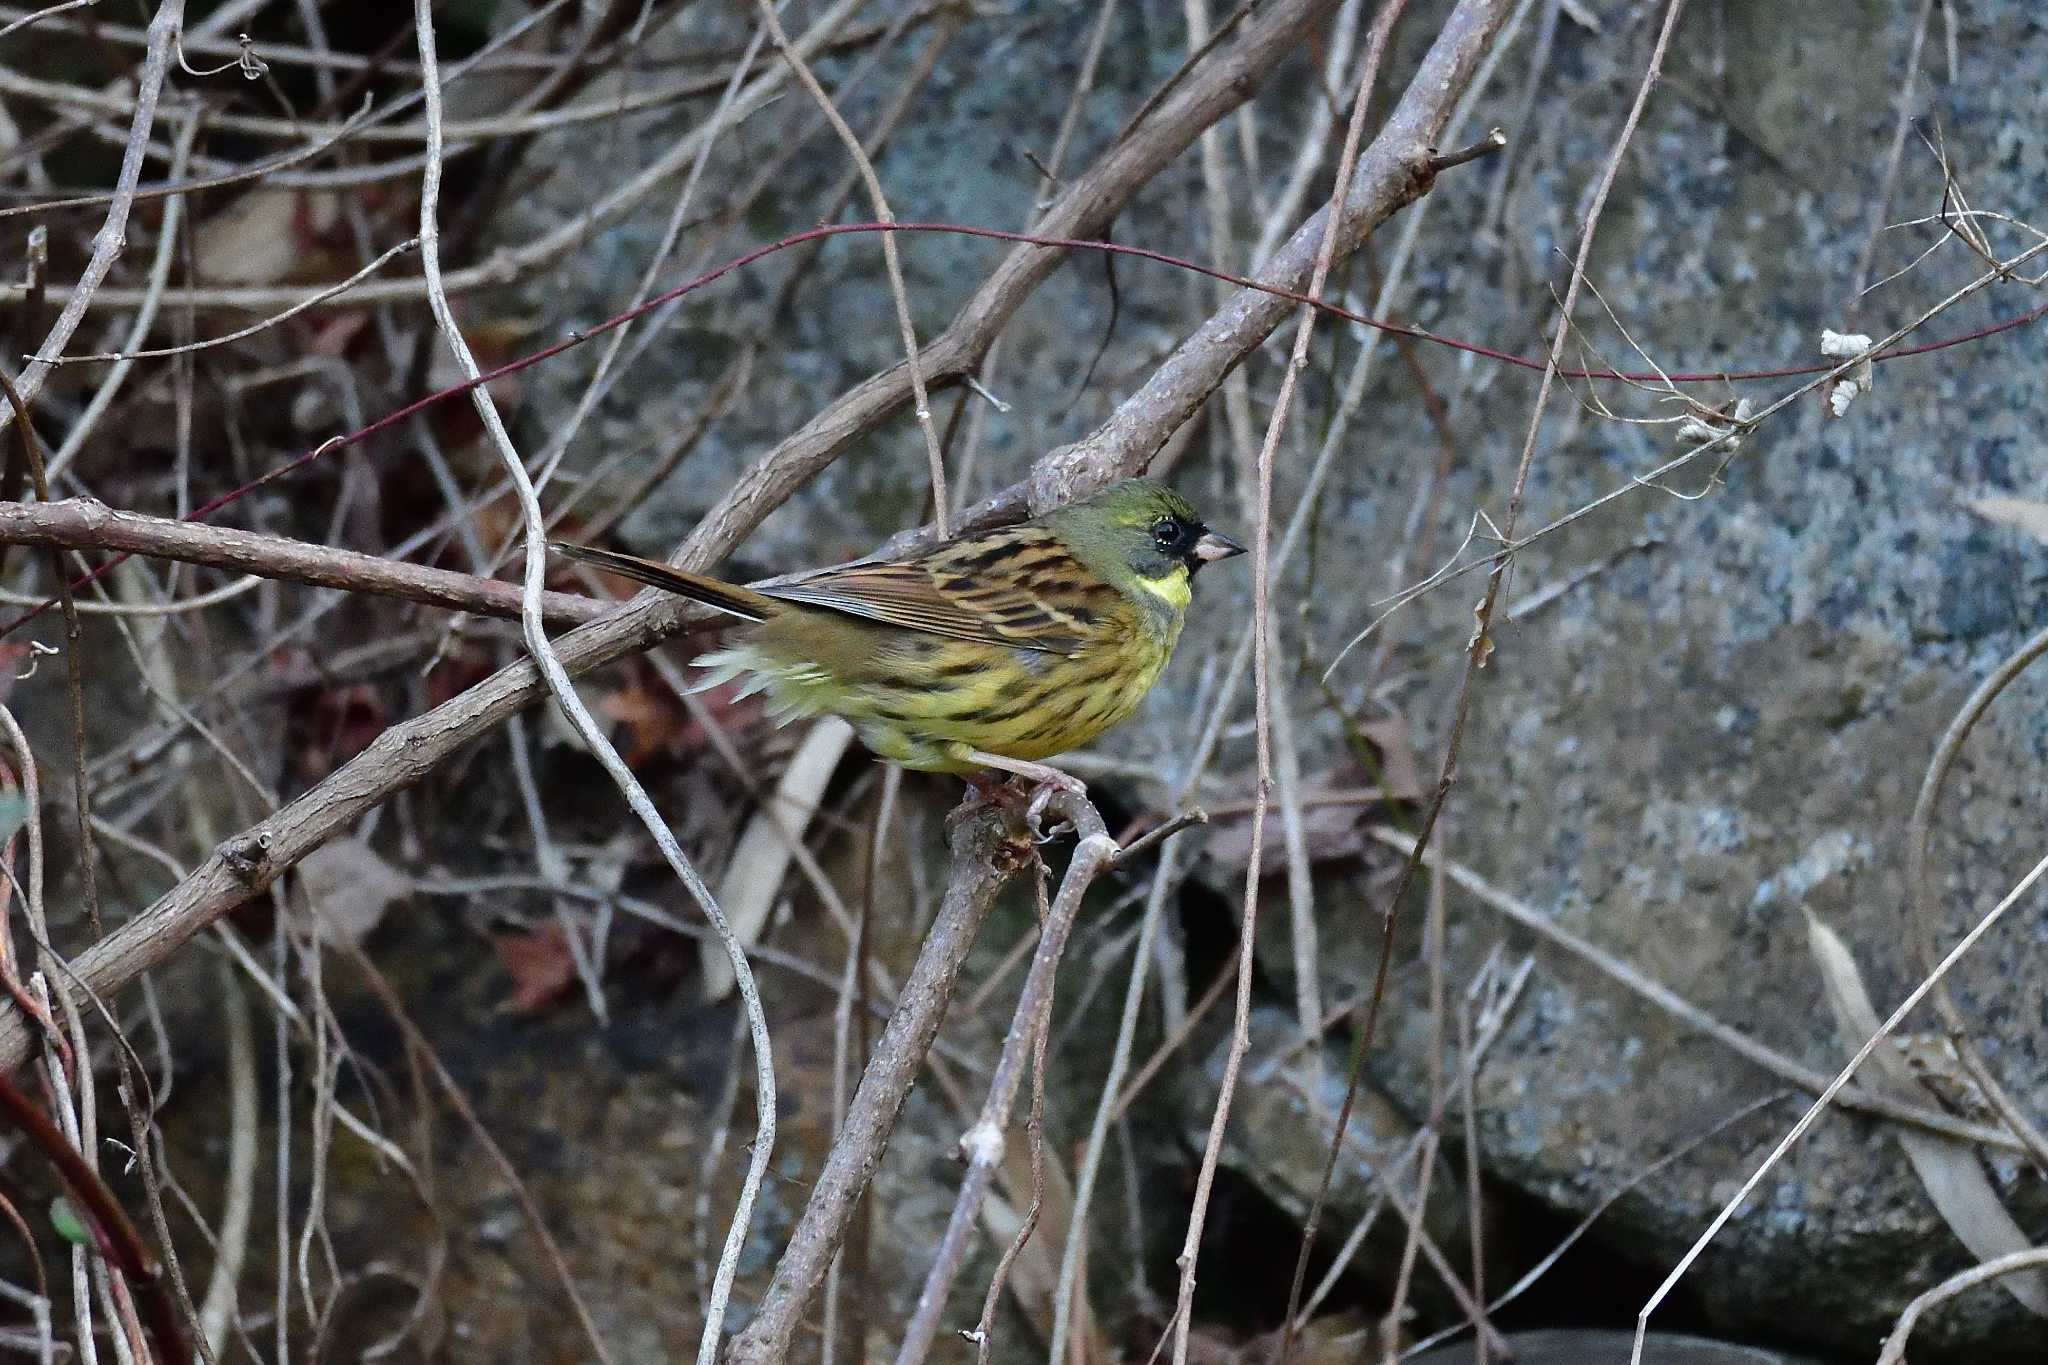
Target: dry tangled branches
{"x": 267, "y": 770}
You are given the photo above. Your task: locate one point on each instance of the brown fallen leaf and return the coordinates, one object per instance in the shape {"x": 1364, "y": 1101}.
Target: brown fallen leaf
{"x": 654, "y": 722}
{"x": 1335, "y": 807}
{"x": 331, "y": 725}
{"x": 350, "y": 888}
{"x": 650, "y": 718}
{"x": 541, "y": 967}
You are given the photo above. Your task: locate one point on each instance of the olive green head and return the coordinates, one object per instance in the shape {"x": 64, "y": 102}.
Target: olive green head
{"x": 1139, "y": 532}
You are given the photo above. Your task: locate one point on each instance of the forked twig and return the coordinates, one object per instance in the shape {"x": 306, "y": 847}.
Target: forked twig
{"x": 984, "y": 1142}
{"x": 979, "y": 870}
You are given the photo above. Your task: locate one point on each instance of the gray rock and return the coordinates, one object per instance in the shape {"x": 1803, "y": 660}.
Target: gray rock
{"x": 1279, "y": 1142}
{"x": 960, "y": 157}
{"x": 1684, "y": 752}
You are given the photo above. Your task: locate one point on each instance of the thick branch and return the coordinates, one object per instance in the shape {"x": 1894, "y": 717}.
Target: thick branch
{"x": 1397, "y": 168}
{"x": 88, "y": 524}
{"x": 1224, "y": 79}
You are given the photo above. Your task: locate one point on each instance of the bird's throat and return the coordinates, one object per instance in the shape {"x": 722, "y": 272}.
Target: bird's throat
{"x": 1173, "y": 588}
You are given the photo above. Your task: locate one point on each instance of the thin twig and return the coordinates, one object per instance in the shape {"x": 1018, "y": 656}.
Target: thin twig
{"x": 88, "y": 524}
{"x": 923, "y": 404}
{"x": 1437, "y": 100}
{"x": 980, "y": 868}
{"x": 1721, "y": 445}
{"x": 416, "y": 1042}
{"x": 1921, "y": 905}
{"x": 1997, "y": 1268}
{"x": 983, "y": 1143}
{"x": 983, "y": 1335}
{"x": 178, "y": 188}
{"x": 117, "y": 1235}
{"x": 1377, "y": 41}
{"x": 1480, "y": 645}
{"x": 1888, "y": 180}
{"x": 138, "y": 326}
{"x": 113, "y": 234}
{"x": 244, "y": 1117}
{"x": 390, "y": 254}
{"x": 1827, "y": 1097}
{"x": 1592, "y": 1216}
{"x": 403, "y": 754}
{"x": 530, "y": 614}
{"x": 514, "y": 263}
{"x": 1069, "y": 1286}
{"x": 1669, "y": 1002}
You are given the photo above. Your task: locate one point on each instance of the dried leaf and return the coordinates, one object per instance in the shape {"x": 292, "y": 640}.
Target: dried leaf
{"x": 650, "y": 719}
{"x": 1400, "y": 769}
{"x": 267, "y": 236}
{"x": 1948, "y": 1167}
{"x": 2022, "y": 513}
{"x": 542, "y": 968}
{"x": 1329, "y": 829}
{"x": 332, "y": 725}
{"x": 753, "y": 878}
{"x": 350, "y": 888}
{"x": 1334, "y": 805}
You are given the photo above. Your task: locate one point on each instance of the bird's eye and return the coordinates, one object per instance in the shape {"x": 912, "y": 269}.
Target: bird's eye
{"x": 1167, "y": 534}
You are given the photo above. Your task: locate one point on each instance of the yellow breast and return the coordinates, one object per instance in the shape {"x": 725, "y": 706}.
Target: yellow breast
{"x": 1014, "y": 702}
{"x": 917, "y": 698}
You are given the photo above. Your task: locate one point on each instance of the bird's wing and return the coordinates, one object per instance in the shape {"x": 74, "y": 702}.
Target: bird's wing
{"x": 1019, "y": 587}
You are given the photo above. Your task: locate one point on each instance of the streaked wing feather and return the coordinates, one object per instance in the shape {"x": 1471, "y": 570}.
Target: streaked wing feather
{"x": 980, "y": 589}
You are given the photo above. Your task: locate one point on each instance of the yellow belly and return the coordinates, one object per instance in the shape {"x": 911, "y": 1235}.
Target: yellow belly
{"x": 919, "y": 699}
{"x": 1017, "y": 704}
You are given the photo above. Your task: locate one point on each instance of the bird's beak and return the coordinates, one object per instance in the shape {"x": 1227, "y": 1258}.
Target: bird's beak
{"x": 1214, "y": 545}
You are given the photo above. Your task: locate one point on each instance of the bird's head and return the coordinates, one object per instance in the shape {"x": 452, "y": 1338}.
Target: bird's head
{"x": 1145, "y": 531}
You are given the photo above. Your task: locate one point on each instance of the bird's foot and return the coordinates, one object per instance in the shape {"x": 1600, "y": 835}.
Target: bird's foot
{"x": 1044, "y": 794}
{"x": 1043, "y": 783}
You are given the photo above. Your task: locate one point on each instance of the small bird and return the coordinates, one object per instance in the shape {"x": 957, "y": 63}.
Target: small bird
{"x": 988, "y": 651}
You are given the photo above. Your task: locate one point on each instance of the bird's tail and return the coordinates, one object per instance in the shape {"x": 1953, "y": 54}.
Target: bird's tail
{"x": 744, "y": 603}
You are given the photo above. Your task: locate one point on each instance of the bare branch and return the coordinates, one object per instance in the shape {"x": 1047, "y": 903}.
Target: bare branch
{"x": 980, "y": 868}
{"x": 983, "y": 1143}
{"x": 88, "y": 524}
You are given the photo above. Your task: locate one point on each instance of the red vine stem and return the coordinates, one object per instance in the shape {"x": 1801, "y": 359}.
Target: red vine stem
{"x": 112, "y": 1231}
{"x": 711, "y": 276}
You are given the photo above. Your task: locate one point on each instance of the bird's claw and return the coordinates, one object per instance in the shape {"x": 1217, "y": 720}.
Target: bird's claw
{"x": 1035, "y": 813}
{"x": 1041, "y": 800}
{"x": 1032, "y": 786}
